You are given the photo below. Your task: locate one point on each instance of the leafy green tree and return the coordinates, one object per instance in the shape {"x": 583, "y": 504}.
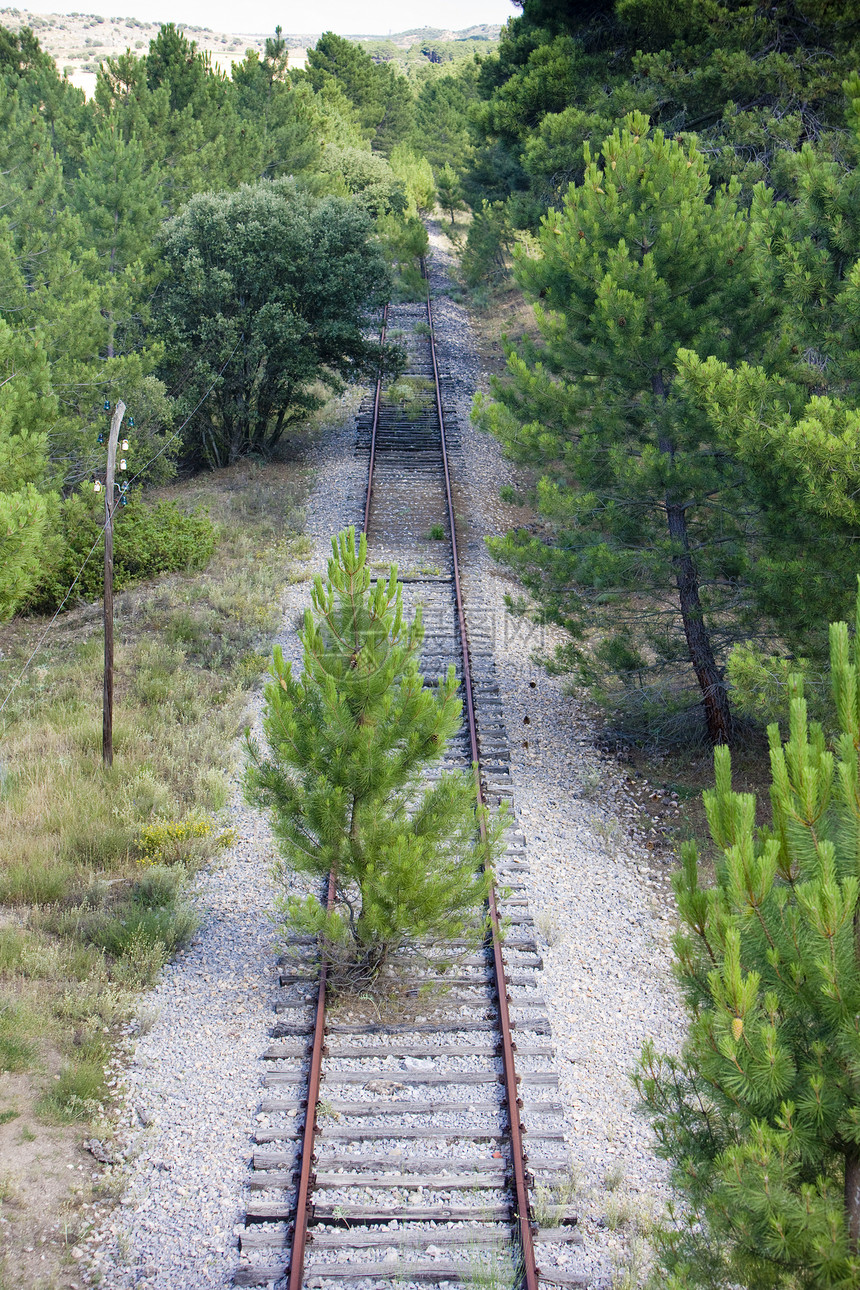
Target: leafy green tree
{"x": 760, "y": 1115}
{"x": 366, "y": 177}
{"x": 643, "y": 259}
{"x": 349, "y": 741}
{"x": 416, "y": 176}
{"x": 28, "y": 409}
{"x": 264, "y": 299}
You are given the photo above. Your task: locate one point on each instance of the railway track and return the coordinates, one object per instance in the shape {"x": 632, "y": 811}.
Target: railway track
{"x": 392, "y": 1152}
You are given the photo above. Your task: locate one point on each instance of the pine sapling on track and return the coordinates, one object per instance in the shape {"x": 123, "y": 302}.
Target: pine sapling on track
{"x": 349, "y": 741}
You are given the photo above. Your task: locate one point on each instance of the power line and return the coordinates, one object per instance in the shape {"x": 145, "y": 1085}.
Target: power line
{"x": 195, "y": 409}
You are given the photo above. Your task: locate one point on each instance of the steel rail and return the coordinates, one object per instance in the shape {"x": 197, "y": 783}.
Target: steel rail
{"x": 306, "y": 1175}
{"x": 303, "y": 1198}
{"x": 376, "y": 399}
{"x": 518, "y": 1160}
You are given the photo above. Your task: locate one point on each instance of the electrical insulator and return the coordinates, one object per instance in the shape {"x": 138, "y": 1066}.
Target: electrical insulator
{"x": 123, "y": 501}
{"x": 122, "y": 464}
{"x": 124, "y": 445}
{"x": 97, "y": 488}
{"x": 131, "y": 422}
{"x": 101, "y": 437}
{"x": 107, "y": 405}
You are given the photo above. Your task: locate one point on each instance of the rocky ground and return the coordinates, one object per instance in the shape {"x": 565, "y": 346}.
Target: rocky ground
{"x": 190, "y": 1086}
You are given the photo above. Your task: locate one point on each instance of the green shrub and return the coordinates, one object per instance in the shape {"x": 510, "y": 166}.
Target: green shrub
{"x": 173, "y": 841}
{"x": 490, "y": 238}
{"x": 77, "y": 1093}
{"x": 16, "y": 1048}
{"x": 131, "y": 928}
{"x": 148, "y": 540}
{"x": 404, "y": 241}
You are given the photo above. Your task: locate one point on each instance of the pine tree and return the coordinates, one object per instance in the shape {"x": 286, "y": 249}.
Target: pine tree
{"x": 643, "y": 258}
{"x": 281, "y": 111}
{"x": 28, "y": 412}
{"x": 760, "y": 1116}
{"x": 120, "y": 203}
{"x": 448, "y": 191}
{"x": 792, "y": 420}
{"x": 381, "y": 98}
{"x": 442, "y": 118}
{"x": 117, "y": 194}
{"x": 348, "y": 743}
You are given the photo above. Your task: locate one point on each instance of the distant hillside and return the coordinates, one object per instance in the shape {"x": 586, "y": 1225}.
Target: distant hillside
{"x": 79, "y": 42}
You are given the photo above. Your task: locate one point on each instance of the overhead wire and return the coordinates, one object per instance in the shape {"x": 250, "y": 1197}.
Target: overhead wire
{"x": 194, "y": 410}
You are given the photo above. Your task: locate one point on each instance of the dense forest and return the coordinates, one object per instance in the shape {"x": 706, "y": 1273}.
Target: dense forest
{"x": 676, "y": 193}
{"x": 206, "y": 249}
{"x": 677, "y": 186}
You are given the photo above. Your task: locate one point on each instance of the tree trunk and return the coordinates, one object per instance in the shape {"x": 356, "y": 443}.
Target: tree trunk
{"x": 852, "y": 1162}
{"x": 852, "y": 1201}
{"x": 715, "y": 699}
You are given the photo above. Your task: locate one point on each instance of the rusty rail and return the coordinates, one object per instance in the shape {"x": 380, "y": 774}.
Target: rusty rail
{"x": 518, "y": 1160}
{"x": 303, "y": 1196}
{"x": 376, "y": 399}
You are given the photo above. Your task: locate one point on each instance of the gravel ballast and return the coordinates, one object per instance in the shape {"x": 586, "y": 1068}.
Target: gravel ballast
{"x": 191, "y": 1089}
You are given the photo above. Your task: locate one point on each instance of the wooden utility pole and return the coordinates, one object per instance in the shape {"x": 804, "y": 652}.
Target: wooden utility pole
{"x": 110, "y": 507}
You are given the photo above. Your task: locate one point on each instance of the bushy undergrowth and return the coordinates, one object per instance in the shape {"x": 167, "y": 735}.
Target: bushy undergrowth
{"x": 148, "y": 540}
{"x": 404, "y": 241}
{"x": 94, "y": 864}
{"x": 488, "y": 243}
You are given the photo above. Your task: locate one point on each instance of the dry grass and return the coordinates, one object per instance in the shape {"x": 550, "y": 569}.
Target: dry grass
{"x": 94, "y": 864}
{"x": 88, "y": 911}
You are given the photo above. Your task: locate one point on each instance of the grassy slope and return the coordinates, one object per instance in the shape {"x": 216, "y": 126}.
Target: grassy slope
{"x": 94, "y": 864}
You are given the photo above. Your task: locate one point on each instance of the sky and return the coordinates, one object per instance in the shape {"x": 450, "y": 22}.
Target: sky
{"x": 366, "y": 17}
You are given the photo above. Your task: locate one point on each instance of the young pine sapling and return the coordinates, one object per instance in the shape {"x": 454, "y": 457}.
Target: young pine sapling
{"x": 349, "y": 741}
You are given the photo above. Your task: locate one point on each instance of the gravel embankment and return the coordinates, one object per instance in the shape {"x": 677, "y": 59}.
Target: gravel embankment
{"x": 191, "y": 1090}
{"x": 598, "y": 897}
